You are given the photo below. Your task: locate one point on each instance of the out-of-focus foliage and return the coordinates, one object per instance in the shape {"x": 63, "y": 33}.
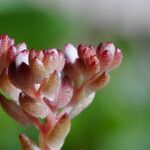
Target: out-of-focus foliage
{"x": 118, "y": 119}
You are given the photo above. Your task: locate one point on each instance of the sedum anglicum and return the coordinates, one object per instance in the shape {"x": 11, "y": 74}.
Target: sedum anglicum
{"x": 48, "y": 88}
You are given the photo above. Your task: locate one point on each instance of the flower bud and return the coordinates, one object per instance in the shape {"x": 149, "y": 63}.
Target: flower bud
{"x": 106, "y": 46}
{"x": 71, "y": 53}
{"x": 53, "y": 60}
{"x": 86, "y": 51}
{"x": 87, "y": 55}
{"x": 50, "y": 59}
{"x": 105, "y": 58}
{"x": 22, "y": 57}
{"x": 21, "y": 47}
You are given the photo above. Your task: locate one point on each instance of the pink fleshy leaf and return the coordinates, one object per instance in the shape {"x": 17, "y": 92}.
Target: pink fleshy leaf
{"x": 21, "y": 77}
{"x": 7, "y": 87}
{"x": 12, "y": 51}
{"x": 37, "y": 69}
{"x": 51, "y": 87}
{"x": 33, "y": 107}
{"x": 56, "y": 137}
{"x": 88, "y": 57}
{"x": 86, "y": 51}
{"x": 106, "y": 46}
{"x": 61, "y": 61}
{"x": 65, "y": 93}
{"x": 105, "y": 58}
{"x": 36, "y": 54}
{"x": 3, "y": 63}
{"x": 50, "y": 60}
{"x": 14, "y": 111}
{"x": 37, "y": 66}
{"x": 117, "y": 59}
{"x": 5, "y": 43}
{"x": 7, "y": 57}
{"x": 92, "y": 64}
{"x": 53, "y": 60}
{"x": 27, "y": 144}
{"x": 98, "y": 83}
{"x": 78, "y": 108}
{"x": 74, "y": 72}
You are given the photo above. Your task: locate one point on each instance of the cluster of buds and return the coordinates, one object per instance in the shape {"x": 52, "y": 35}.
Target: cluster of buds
{"x": 50, "y": 87}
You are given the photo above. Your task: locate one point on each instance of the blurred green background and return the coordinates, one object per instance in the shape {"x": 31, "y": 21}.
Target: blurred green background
{"x": 118, "y": 119}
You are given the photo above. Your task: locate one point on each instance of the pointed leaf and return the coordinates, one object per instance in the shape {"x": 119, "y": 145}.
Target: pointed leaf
{"x": 37, "y": 68}
{"x": 33, "y": 107}
{"x": 78, "y": 108}
{"x": 7, "y": 87}
{"x": 56, "y": 137}
{"x": 50, "y": 60}
{"x": 27, "y": 144}
{"x": 61, "y": 61}
{"x": 117, "y": 59}
{"x": 98, "y": 83}
{"x": 51, "y": 88}
{"x": 21, "y": 77}
{"x": 65, "y": 93}
{"x": 14, "y": 111}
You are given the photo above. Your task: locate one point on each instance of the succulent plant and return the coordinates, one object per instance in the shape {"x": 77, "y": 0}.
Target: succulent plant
{"x": 50, "y": 87}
